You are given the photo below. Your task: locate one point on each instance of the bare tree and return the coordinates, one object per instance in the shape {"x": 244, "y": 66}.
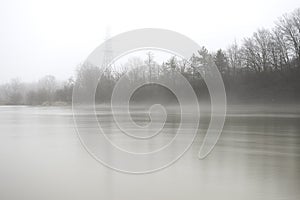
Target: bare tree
{"x": 134, "y": 67}
{"x": 234, "y": 58}
{"x": 14, "y": 92}
{"x": 262, "y": 39}
{"x": 87, "y": 79}
{"x": 289, "y": 27}
{"x": 282, "y": 48}
{"x": 250, "y": 55}
{"x": 47, "y": 87}
{"x": 149, "y": 64}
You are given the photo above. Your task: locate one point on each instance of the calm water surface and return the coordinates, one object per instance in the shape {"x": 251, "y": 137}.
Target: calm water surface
{"x": 257, "y": 157}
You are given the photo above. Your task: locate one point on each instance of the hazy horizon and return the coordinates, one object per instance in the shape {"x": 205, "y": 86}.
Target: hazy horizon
{"x": 53, "y": 37}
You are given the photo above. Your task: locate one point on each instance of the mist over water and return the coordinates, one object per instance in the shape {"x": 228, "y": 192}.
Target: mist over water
{"x": 204, "y": 107}
{"x": 257, "y": 157}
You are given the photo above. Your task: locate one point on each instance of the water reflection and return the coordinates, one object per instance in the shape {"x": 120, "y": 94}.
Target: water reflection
{"x": 257, "y": 157}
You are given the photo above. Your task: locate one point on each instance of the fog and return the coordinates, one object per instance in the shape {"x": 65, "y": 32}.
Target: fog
{"x": 216, "y": 120}
{"x": 53, "y": 37}
{"x": 257, "y": 157}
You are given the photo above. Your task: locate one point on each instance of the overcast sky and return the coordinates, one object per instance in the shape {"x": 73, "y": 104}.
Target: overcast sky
{"x": 40, "y": 37}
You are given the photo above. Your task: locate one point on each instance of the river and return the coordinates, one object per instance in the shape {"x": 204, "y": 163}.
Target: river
{"x": 257, "y": 157}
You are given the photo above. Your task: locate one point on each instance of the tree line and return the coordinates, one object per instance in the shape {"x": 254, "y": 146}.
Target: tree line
{"x": 262, "y": 68}
{"x": 46, "y": 91}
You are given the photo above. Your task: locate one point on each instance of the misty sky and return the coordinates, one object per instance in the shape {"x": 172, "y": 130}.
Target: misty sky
{"x": 52, "y": 37}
